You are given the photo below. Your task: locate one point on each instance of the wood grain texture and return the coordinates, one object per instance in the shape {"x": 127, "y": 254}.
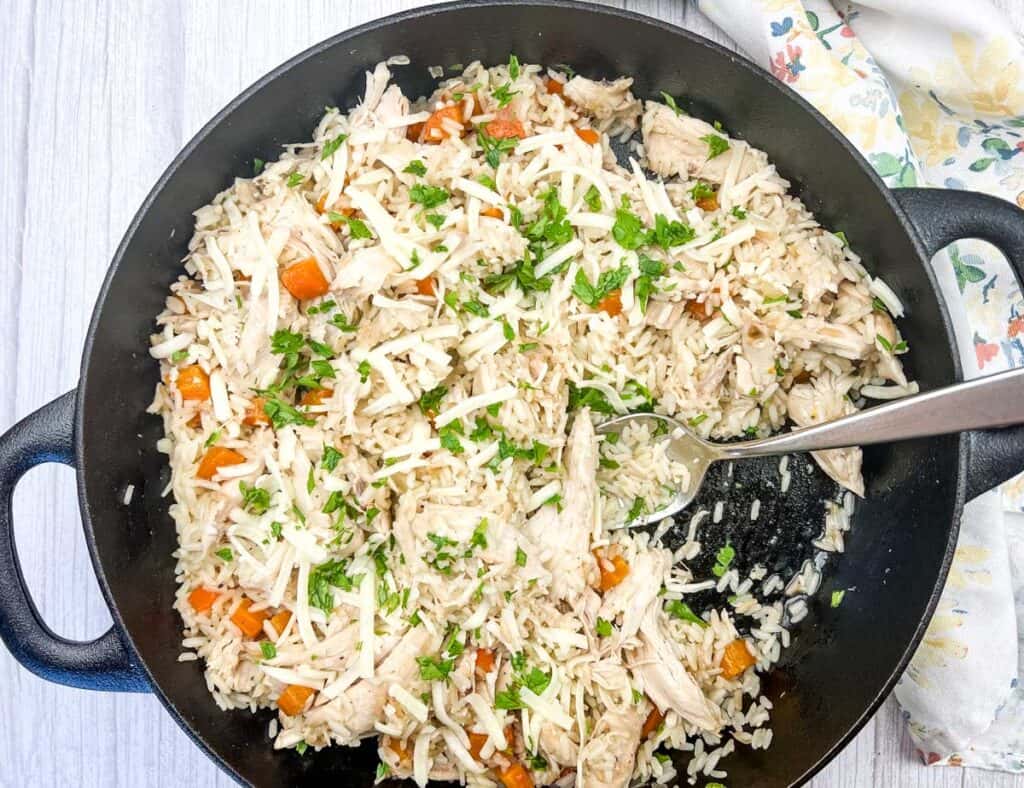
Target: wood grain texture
{"x": 96, "y": 99}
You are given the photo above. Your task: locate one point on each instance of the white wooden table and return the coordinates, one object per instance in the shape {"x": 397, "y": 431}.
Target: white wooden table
{"x": 95, "y": 100}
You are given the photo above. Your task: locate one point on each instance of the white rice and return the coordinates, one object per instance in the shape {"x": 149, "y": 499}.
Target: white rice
{"x": 435, "y": 502}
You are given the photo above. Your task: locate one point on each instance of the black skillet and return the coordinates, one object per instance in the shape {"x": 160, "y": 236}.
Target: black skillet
{"x": 843, "y": 661}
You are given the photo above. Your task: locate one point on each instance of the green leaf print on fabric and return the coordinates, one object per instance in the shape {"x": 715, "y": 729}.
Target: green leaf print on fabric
{"x": 964, "y": 271}
{"x": 885, "y": 164}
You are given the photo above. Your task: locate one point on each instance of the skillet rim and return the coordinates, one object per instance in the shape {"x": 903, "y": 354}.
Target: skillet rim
{"x": 593, "y": 10}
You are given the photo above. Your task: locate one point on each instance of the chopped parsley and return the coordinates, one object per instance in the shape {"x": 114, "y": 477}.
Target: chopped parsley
{"x": 225, "y": 554}
{"x": 212, "y": 439}
{"x": 254, "y": 499}
{"x": 513, "y": 67}
{"x": 667, "y": 234}
{"x": 449, "y": 435}
{"x": 331, "y": 458}
{"x": 842, "y": 237}
{"x": 443, "y": 559}
{"x": 603, "y": 628}
{"x": 358, "y": 228}
{"x": 493, "y": 147}
{"x": 697, "y": 420}
{"x": 341, "y": 322}
{"x": 364, "y": 370}
{"x": 738, "y": 212}
{"x": 589, "y": 397}
{"x": 282, "y": 414}
{"x": 521, "y": 274}
{"x": 796, "y": 314}
{"x": 488, "y": 181}
{"x": 592, "y": 197}
{"x": 435, "y": 220}
{"x": 885, "y": 343}
{"x": 670, "y": 102}
{"x": 716, "y": 145}
{"x": 876, "y": 303}
{"x": 257, "y": 166}
{"x": 295, "y": 179}
{"x": 301, "y": 747}
{"x": 428, "y": 196}
{"x": 650, "y": 271}
{"x": 837, "y": 597}
{"x": 520, "y": 557}
{"x": 416, "y": 167}
{"x": 636, "y": 510}
{"x": 178, "y": 356}
{"x": 269, "y": 649}
{"x": 526, "y": 347}
{"x": 607, "y": 282}
{"x": 332, "y": 146}
{"x": 702, "y": 191}
{"x": 628, "y": 231}
{"x": 723, "y": 558}
{"x": 323, "y": 577}
{"x": 275, "y": 530}
{"x": 433, "y": 669}
{"x": 679, "y": 609}
{"x": 430, "y": 401}
{"x": 474, "y": 307}
{"x": 503, "y": 94}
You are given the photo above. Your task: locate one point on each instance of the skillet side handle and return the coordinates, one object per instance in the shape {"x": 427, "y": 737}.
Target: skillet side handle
{"x": 940, "y": 217}
{"x": 104, "y": 663}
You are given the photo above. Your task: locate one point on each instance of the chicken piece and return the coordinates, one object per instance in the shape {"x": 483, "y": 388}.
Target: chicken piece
{"x": 365, "y": 271}
{"x": 824, "y": 399}
{"x": 609, "y": 755}
{"x": 363, "y": 703}
{"x": 852, "y": 304}
{"x": 674, "y": 145}
{"x": 666, "y": 680}
{"x": 559, "y": 746}
{"x": 565, "y": 536}
{"x": 755, "y": 368}
{"x": 636, "y": 593}
{"x": 610, "y": 103}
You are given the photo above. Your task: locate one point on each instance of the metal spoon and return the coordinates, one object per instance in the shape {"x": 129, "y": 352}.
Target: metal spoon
{"x": 991, "y": 401}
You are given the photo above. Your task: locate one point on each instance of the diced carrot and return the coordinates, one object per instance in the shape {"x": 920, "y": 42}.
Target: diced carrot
{"x": 515, "y": 776}
{"x": 611, "y": 303}
{"x": 484, "y": 660}
{"x": 316, "y": 396}
{"x": 202, "y": 599}
{"x": 196, "y": 421}
{"x": 413, "y": 131}
{"x": 494, "y": 212}
{"x": 502, "y": 128}
{"x": 697, "y": 309}
{"x": 304, "y": 279}
{"x": 292, "y": 699}
{"x": 652, "y": 722}
{"x": 280, "y": 620}
{"x": 215, "y": 458}
{"x": 613, "y": 569}
{"x": 589, "y": 136}
{"x": 193, "y": 382}
{"x": 249, "y": 621}
{"x": 321, "y": 204}
{"x": 426, "y": 287}
{"x": 403, "y": 753}
{"x": 435, "y": 129}
{"x": 554, "y": 86}
{"x": 255, "y": 415}
{"x": 736, "y": 659}
{"x": 708, "y": 203}
{"x": 476, "y": 743}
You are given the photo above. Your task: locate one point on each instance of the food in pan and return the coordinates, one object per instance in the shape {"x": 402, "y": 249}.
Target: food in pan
{"x": 381, "y": 372}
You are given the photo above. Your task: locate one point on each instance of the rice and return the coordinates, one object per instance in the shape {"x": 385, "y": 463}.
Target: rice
{"x": 380, "y": 374}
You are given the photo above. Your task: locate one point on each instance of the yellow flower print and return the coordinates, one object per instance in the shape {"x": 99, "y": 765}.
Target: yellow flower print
{"x": 1020, "y": 199}
{"x": 932, "y": 133}
{"x": 941, "y": 644}
{"x": 983, "y": 78}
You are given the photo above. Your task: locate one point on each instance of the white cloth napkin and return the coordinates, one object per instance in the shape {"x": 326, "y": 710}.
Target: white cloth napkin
{"x": 932, "y": 93}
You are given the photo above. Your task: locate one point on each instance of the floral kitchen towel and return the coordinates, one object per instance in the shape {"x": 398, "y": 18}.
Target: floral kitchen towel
{"x": 932, "y": 93}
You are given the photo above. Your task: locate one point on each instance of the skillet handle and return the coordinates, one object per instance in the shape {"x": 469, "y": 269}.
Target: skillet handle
{"x": 940, "y": 217}
{"x": 104, "y": 663}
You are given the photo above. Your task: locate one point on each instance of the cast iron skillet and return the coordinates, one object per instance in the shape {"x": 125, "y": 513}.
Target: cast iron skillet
{"x": 843, "y": 661}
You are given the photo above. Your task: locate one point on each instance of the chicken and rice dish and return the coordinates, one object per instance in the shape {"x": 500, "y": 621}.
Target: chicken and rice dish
{"x": 381, "y": 373}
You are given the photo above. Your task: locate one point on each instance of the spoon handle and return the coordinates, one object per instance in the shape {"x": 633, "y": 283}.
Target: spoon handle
{"x": 992, "y": 401}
